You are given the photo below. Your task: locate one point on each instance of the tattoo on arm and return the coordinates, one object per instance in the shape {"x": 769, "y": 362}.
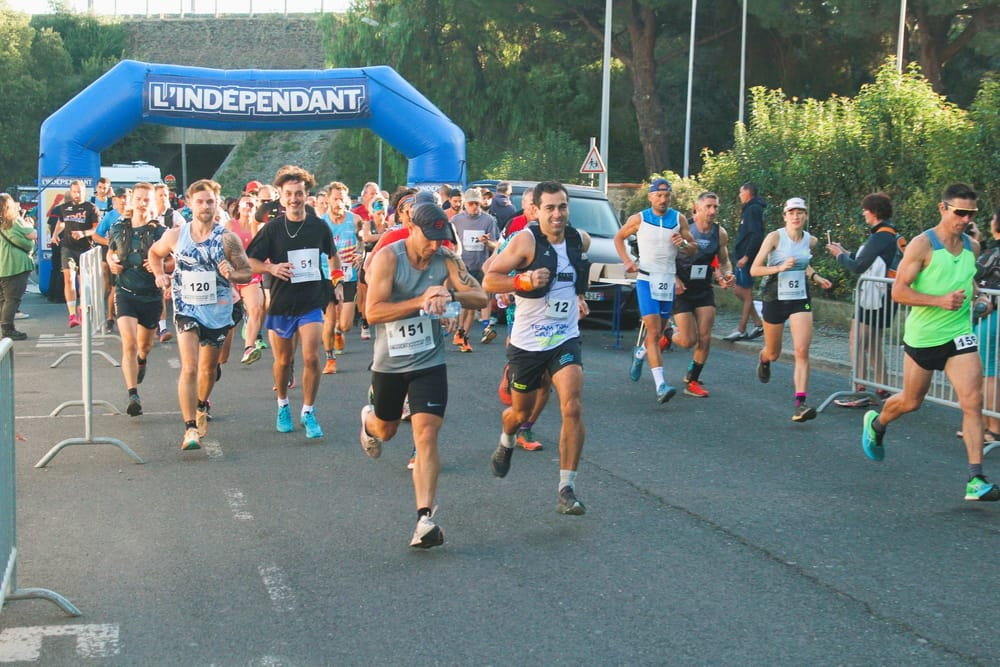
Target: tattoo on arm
{"x": 233, "y": 248}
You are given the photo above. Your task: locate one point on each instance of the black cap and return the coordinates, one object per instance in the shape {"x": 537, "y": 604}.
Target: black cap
{"x": 433, "y": 222}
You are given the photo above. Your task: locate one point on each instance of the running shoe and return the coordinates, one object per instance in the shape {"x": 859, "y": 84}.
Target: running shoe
{"x": 191, "y": 440}
{"x": 14, "y": 334}
{"x": 313, "y": 429}
{"x": 803, "y": 413}
{"x": 141, "y": 375}
{"x": 338, "y": 342}
{"x": 134, "y": 408}
{"x": 667, "y": 339}
{"x": 427, "y": 534}
{"x": 979, "y": 489}
{"x": 883, "y": 394}
{"x": 857, "y": 402}
{"x": 763, "y": 370}
{"x": 371, "y": 444}
{"x": 21, "y": 316}
{"x": 735, "y": 335}
{"x": 568, "y": 504}
{"x": 201, "y": 421}
{"x": 331, "y": 367}
{"x": 74, "y": 321}
{"x": 164, "y": 335}
{"x": 459, "y": 338}
{"x": 465, "y": 345}
{"x": 871, "y": 440}
{"x": 109, "y": 326}
{"x": 526, "y": 441}
{"x": 413, "y": 460}
{"x": 251, "y": 354}
{"x": 405, "y": 416}
{"x": 503, "y": 391}
{"x": 260, "y": 344}
{"x": 500, "y": 461}
{"x": 756, "y": 332}
{"x": 694, "y": 388}
{"x": 284, "y": 421}
{"x": 365, "y": 332}
{"x": 635, "y": 371}
{"x": 489, "y": 333}
{"x": 665, "y": 392}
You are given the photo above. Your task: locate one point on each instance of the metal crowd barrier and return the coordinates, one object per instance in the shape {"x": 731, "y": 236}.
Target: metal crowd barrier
{"x": 877, "y": 362}
{"x": 91, "y": 298}
{"x": 8, "y": 504}
{"x": 92, "y": 275}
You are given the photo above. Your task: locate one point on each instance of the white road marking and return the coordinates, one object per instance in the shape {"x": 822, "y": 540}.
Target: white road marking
{"x": 146, "y": 413}
{"x": 282, "y": 597}
{"x": 25, "y": 644}
{"x": 174, "y": 363}
{"x": 212, "y": 448}
{"x": 237, "y": 503}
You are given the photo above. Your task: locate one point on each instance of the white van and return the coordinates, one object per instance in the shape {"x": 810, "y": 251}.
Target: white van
{"x": 127, "y": 175}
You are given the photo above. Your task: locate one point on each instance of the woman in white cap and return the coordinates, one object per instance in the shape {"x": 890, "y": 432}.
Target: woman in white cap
{"x": 784, "y": 258}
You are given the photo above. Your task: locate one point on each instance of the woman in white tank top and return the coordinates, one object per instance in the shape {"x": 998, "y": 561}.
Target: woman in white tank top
{"x": 784, "y": 259}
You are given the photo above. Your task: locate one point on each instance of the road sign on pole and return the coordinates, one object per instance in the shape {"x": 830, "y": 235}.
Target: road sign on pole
{"x": 593, "y": 164}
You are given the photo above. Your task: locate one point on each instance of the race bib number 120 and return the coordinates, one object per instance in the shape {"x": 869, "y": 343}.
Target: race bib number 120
{"x": 198, "y": 287}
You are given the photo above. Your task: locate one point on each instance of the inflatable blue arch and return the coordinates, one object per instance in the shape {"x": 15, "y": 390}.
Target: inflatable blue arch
{"x": 132, "y": 93}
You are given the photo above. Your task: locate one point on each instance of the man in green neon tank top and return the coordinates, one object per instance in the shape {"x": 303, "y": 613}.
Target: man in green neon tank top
{"x": 936, "y": 278}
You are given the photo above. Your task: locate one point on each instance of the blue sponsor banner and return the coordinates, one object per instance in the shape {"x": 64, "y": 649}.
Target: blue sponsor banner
{"x": 183, "y": 97}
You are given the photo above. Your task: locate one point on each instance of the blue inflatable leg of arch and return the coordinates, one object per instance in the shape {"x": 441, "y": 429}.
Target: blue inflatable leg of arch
{"x": 132, "y": 93}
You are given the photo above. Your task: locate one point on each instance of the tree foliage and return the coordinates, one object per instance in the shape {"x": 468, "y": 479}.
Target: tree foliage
{"x": 897, "y": 136}
{"x": 44, "y": 61}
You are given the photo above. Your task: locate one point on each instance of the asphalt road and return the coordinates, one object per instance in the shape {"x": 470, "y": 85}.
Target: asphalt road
{"x": 717, "y": 531}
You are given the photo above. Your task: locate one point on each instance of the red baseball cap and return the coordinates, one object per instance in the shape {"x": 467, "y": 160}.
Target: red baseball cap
{"x": 252, "y": 187}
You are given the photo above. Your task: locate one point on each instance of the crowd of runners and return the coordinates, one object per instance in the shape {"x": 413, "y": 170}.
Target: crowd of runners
{"x": 294, "y": 268}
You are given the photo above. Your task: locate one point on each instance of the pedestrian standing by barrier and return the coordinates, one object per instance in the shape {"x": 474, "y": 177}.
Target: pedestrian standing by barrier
{"x": 874, "y": 309}
{"x": 749, "y": 236}
{"x": 937, "y": 279}
{"x": 17, "y": 240}
{"x": 988, "y": 327}
{"x": 208, "y": 260}
{"x": 784, "y": 257}
{"x": 410, "y": 284}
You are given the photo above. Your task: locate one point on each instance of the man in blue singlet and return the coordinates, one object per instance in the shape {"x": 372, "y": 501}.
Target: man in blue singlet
{"x": 660, "y": 232}
{"x": 207, "y": 261}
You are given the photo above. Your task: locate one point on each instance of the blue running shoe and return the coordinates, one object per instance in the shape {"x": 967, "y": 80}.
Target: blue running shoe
{"x": 980, "y": 489}
{"x": 635, "y": 372}
{"x": 313, "y": 429}
{"x": 664, "y": 392}
{"x": 871, "y": 440}
{"x": 284, "y": 421}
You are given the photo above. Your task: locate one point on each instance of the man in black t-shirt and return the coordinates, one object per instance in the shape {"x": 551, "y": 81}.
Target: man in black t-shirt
{"x": 75, "y": 223}
{"x": 288, "y": 248}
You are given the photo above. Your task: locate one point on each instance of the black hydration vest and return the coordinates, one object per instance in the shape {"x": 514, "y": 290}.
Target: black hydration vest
{"x": 547, "y": 260}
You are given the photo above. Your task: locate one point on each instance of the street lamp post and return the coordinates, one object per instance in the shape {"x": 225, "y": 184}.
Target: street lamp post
{"x": 606, "y": 94}
{"x": 902, "y": 35}
{"x": 687, "y": 124}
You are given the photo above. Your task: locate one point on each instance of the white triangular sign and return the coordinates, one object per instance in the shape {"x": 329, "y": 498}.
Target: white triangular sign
{"x": 593, "y": 164}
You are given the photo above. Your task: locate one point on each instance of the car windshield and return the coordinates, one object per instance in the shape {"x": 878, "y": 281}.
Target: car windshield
{"x": 594, "y": 216}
